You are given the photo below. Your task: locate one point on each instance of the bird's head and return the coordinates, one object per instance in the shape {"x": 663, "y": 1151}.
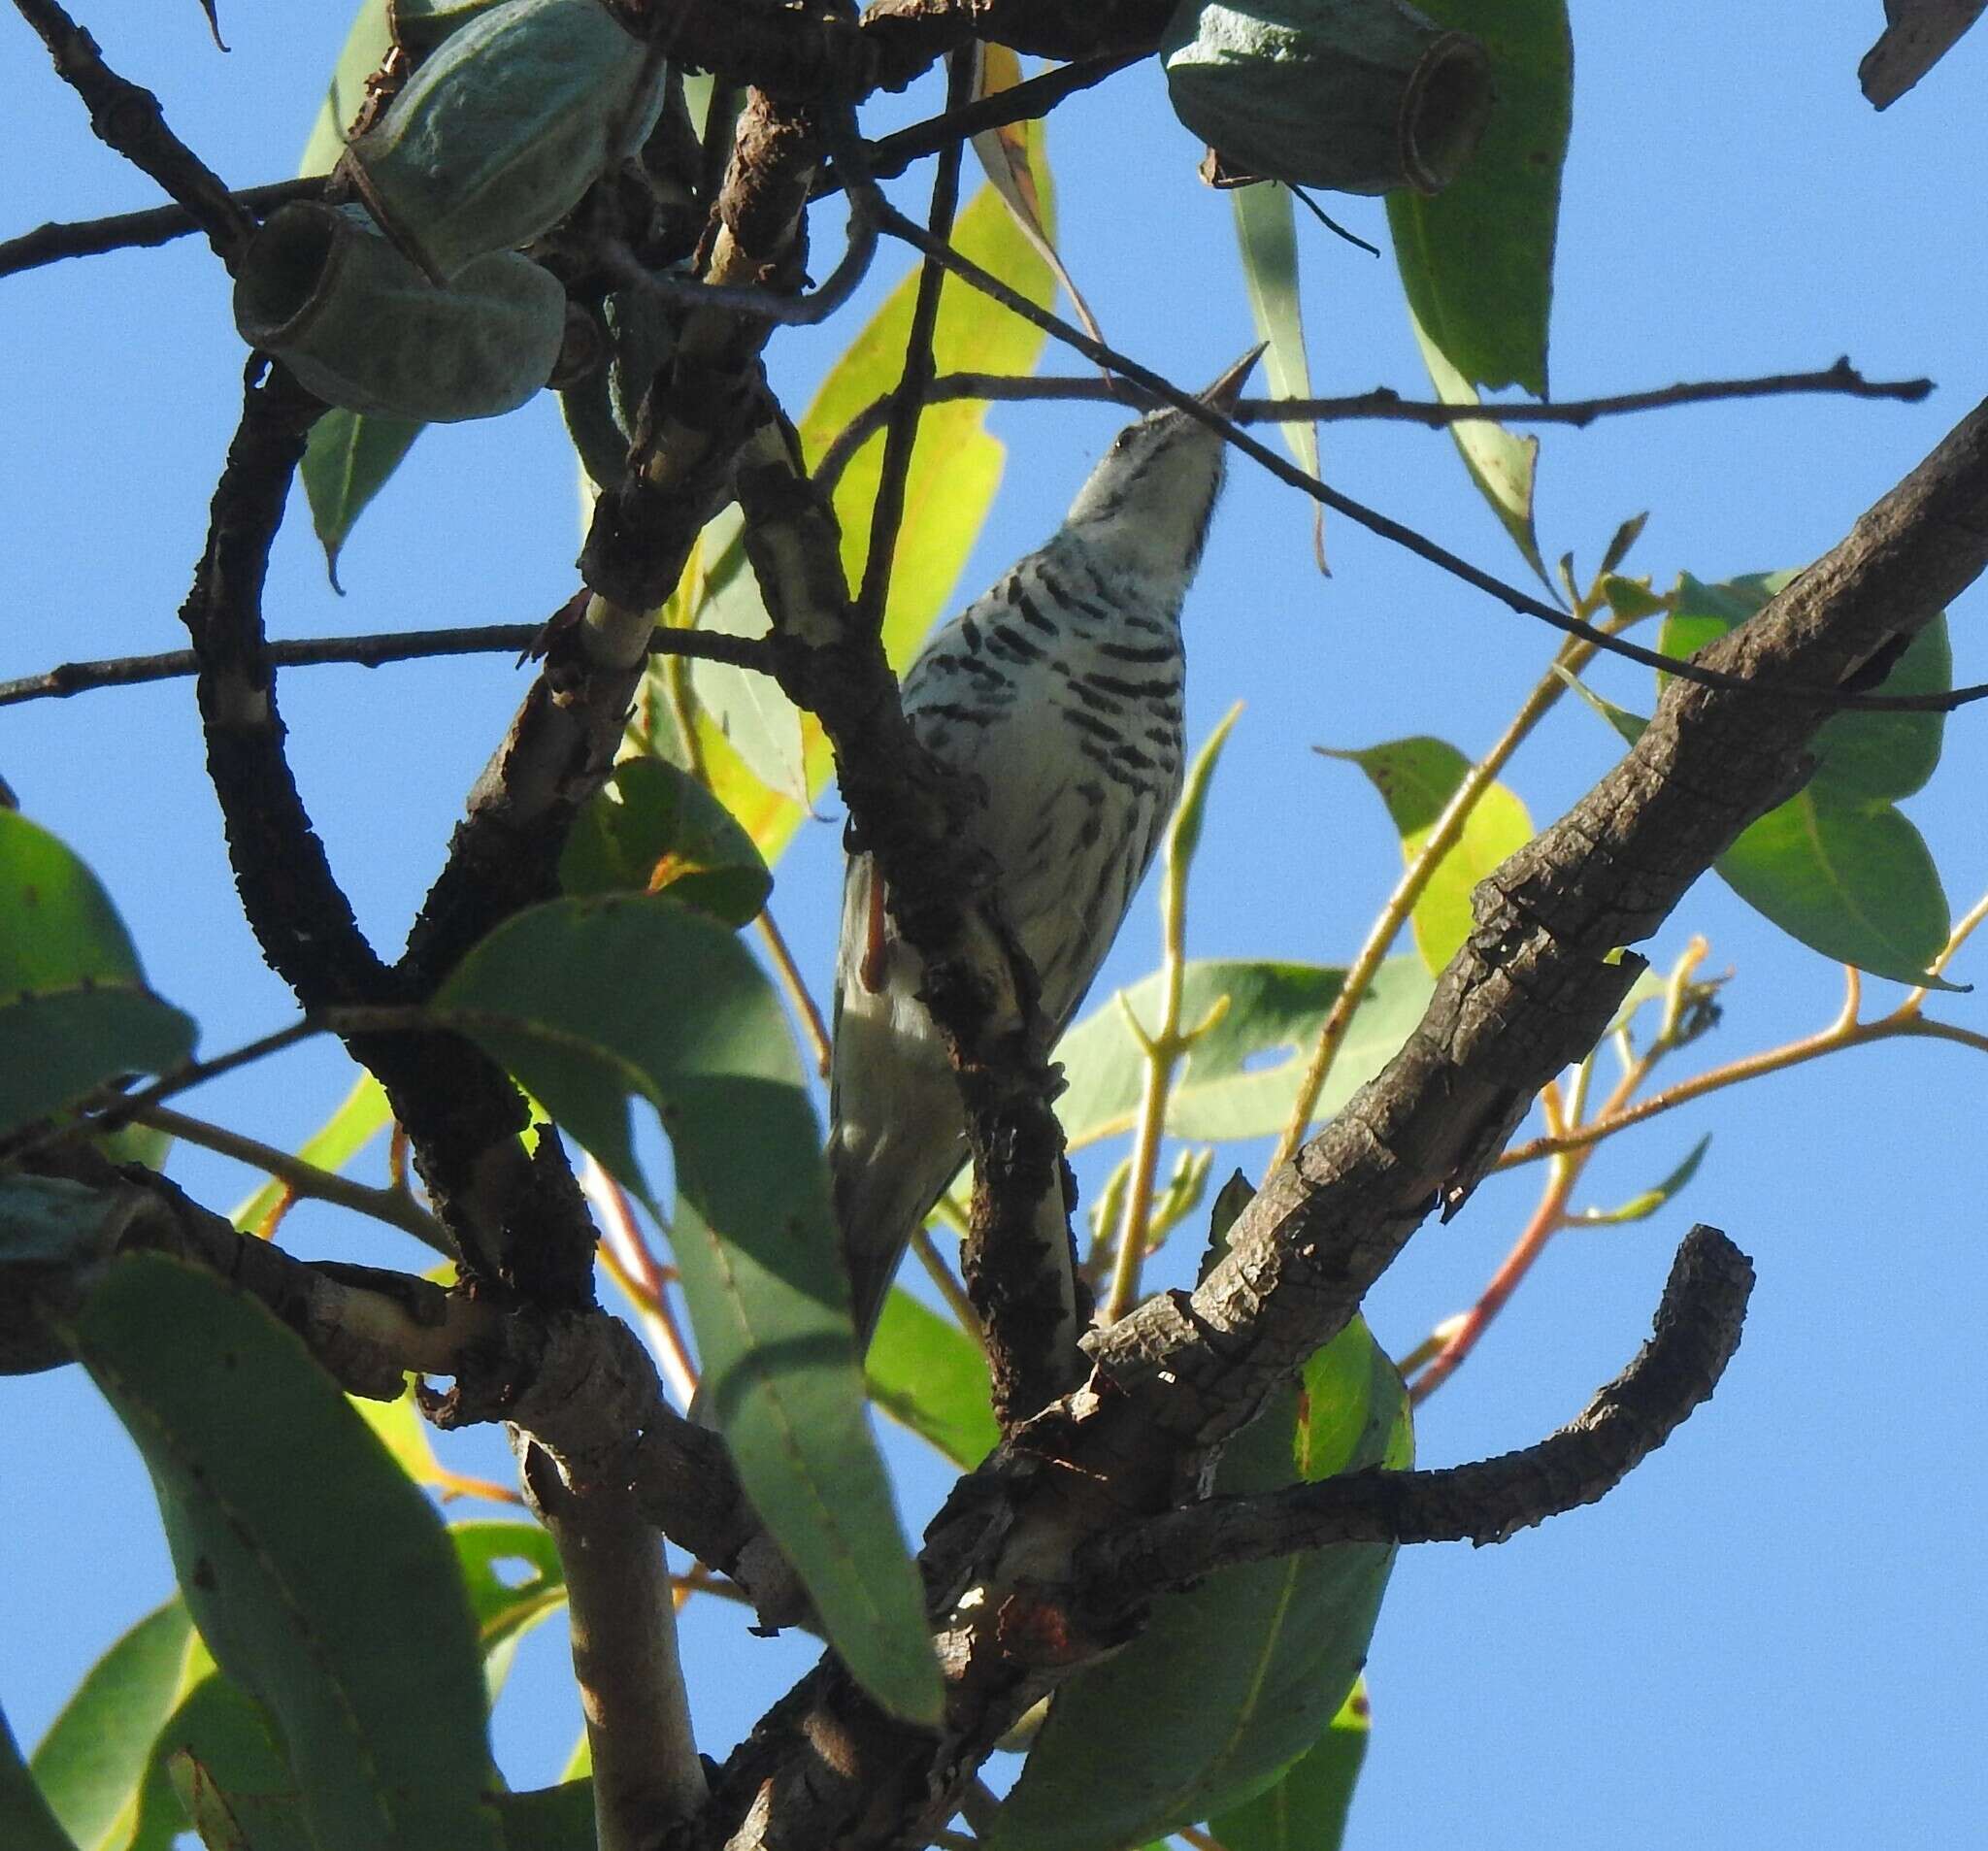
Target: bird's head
{"x": 1148, "y": 502}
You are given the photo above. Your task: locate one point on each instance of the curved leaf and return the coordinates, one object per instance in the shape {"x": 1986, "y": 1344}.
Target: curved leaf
{"x": 1477, "y": 259}
{"x": 348, "y": 459}
{"x": 1416, "y": 777}
{"x": 594, "y": 1003}
{"x": 93, "y": 1762}
{"x": 1233, "y": 1679}
{"x": 26, "y": 1823}
{"x": 1229, "y": 1087}
{"x": 364, "y": 1653}
{"x": 361, "y": 1116}
{"x": 1267, "y": 240}
{"x": 73, "y": 1007}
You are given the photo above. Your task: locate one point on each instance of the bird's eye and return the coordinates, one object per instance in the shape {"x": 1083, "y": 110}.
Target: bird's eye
{"x": 1119, "y": 442}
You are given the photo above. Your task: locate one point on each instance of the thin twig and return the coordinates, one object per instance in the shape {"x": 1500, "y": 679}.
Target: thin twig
{"x": 949, "y": 1285}
{"x": 128, "y": 118}
{"x": 56, "y": 240}
{"x": 301, "y": 1178}
{"x": 798, "y": 993}
{"x": 893, "y": 221}
{"x": 1381, "y": 404}
{"x": 626, "y": 1254}
{"x": 366, "y": 652}
{"x": 901, "y": 432}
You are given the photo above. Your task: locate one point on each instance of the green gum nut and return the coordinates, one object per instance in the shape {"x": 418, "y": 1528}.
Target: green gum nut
{"x": 500, "y": 130}
{"x": 1361, "y": 96}
{"x": 362, "y": 328}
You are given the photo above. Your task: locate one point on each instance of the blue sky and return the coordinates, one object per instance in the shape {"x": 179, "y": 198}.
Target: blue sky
{"x": 1773, "y": 1631}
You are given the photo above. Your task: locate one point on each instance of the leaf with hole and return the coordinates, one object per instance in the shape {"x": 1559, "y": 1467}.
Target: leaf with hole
{"x": 595, "y": 1004}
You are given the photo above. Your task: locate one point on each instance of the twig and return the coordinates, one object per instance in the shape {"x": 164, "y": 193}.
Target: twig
{"x": 946, "y": 1281}
{"x": 796, "y": 985}
{"x": 894, "y": 222}
{"x": 364, "y": 651}
{"x": 1697, "y": 1331}
{"x": 1443, "y": 834}
{"x": 890, "y": 155}
{"x": 907, "y": 403}
{"x": 300, "y": 1178}
{"x": 626, "y": 1254}
{"x": 55, "y": 241}
{"x": 1381, "y": 404}
{"x": 117, "y": 1110}
{"x": 128, "y": 120}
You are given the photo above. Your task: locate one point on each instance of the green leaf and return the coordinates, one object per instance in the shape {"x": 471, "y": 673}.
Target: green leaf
{"x": 229, "y": 1733}
{"x": 366, "y": 44}
{"x": 73, "y": 1007}
{"x": 654, "y": 828}
{"x": 593, "y": 1003}
{"x": 548, "y": 1818}
{"x": 507, "y": 1606}
{"x": 25, "y": 1822}
{"x": 346, "y": 461}
{"x": 1233, "y": 1679}
{"x": 1306, "y": 1809}
{"x": 1640, "y": 1207}
{"x": 93, "y": 1762}
{"x": 1477, "y": 259}
{"x": 955, "y": 469}
{"x": 1837, "y": 866}
{"x": 1503, "y": 466}
{"x": 235, "y": 1821}
{"x": 1267, "y": 238}
{"x": 929, "y": 1375}
{"x": 1630, "y": 598}
{"x": 1228, "y": 1087}
{"x": 1416, "y": 777}
{"x": 363, "y": 1652}
{"x": 361, "y": 1116}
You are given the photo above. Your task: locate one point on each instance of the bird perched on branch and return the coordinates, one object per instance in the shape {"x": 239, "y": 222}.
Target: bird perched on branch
{"x": 1058, "y": 696}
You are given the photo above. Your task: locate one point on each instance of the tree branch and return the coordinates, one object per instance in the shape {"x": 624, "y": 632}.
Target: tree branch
{"x": 1383, "y": 404}
{"x": 367, "y": 653}
{"x": 128, "y": 120}
{"x": 55, "y": 241}
{"x": 1697, "y": 1332}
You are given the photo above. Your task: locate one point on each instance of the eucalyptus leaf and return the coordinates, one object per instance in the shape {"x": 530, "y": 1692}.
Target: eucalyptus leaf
{"x": 1416, "y": 777}
{"x": 654, "y": 828}
{"x": 1230, "y": 1086}
{"x": 361, "y": 1116}
{"x": 363, "y": 1653}
{"x": 75, "y": 1010}
{"x": 595, "y": 1003}
{"x": 93, "y": 1762}
{"x": 348, "y": 459}
{"x": 1233, "y": 1679}
{"x": 1266, "y": 237}
{"x": 930, "y": 1377}
{"x": 507, "y": 1606}
{"x": 26, "y": 1824}
{"x": 1306, "y": 1809}
{"x": 1640, "y": 1207}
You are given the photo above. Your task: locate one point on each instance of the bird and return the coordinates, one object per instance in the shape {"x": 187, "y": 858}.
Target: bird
{"x": 1057, "y": 697}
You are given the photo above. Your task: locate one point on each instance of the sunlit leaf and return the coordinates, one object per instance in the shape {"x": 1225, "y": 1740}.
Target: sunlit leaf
{"x": 1306, "y": 1809}
{"x": 1416, "y": 777}
{"x": 75, "y": 1010}
{"x": 1235, "y": 1678}
{"x": 1267, "y": 240}
{"x": 954, "y": 471}
{"x": 1240, "y": 1077}
{"x": 361, "y": 1116}
{"x": 93, "y": 1762}
{"x": 594, "y": 1004}
{"x": 364, "y": 1653}
{"x": 1640, "y": 1207}
{"x": 514, "y": 1577}
{"x": 348, "y": 459}
{"x": 1477, "y": 259}
{"x": 929, "y": 1375}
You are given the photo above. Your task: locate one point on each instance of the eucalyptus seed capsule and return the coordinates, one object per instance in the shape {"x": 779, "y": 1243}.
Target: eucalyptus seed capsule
{"x": 1362, "y": 96}
{"x": 362, "y": 328}
{"x": 503, "y": 127}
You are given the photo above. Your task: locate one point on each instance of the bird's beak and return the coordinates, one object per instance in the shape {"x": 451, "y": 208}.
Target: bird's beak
{"x": 1222, "y": 395}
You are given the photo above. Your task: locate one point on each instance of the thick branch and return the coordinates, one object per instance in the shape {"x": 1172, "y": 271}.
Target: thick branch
{"x": 1697, "y": 1332}
{"x": 128, "y": 120}
{"x": 1540, "y": 975}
